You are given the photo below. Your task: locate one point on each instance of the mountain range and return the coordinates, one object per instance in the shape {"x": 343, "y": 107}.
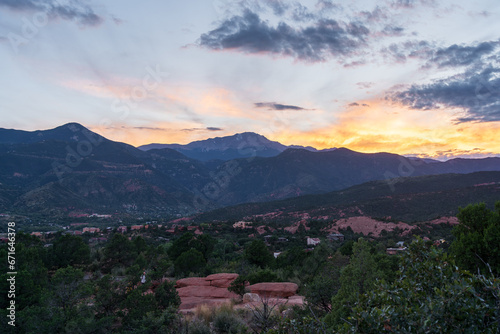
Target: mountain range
{"x": 71, "y": 168}
{"x": 240, "y": 145}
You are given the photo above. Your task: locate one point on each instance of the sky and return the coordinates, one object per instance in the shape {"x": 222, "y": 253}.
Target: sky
{"x": 413, "y": 77}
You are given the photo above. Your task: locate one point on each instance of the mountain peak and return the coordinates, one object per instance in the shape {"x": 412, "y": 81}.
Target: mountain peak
{"x": 239, "y": 145}
{"x": 67, "y": 132}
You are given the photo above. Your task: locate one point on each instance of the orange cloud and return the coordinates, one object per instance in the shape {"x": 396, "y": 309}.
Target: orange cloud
{"x": 379, "y": 126}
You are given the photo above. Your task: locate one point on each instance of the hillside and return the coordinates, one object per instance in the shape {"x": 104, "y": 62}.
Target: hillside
{"x": 240, "y": 145}
{"x": 72, "y": 168}
{"x": 411, "y": 199}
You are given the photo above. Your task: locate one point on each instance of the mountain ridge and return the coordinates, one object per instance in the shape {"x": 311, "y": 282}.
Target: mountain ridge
{"x": 99, "y": 173}
{"x": 239, "y": 145}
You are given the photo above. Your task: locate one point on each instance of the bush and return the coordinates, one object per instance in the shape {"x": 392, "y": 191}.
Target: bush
{"x": 227, "y": 322}
{"x": 199, "y": 327}
{"x": 238, "y": 286}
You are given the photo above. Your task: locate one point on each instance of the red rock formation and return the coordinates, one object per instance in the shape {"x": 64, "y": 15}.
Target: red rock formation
{"x": 221, "y": 280}
{"x": 277, "y": 290}
{"x": 192, "y": 281}
{"x": 209, "y": 292}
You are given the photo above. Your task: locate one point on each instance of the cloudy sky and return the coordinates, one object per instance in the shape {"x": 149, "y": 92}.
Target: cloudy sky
{"x": 415, "y": 77}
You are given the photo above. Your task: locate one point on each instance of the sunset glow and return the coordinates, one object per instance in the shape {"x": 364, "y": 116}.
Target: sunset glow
{"x": 408, "y": 77}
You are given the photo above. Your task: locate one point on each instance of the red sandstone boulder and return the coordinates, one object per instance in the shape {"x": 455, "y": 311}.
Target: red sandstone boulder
{"x": 277, "y": 290}
{"x": 210, "y": 292}
{"x": 221, "y": 280}
{"x": 224, "y": 276}
{"x": 192, "y": 281}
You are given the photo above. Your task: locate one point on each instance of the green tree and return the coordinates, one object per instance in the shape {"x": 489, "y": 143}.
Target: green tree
{"x": 430, "y": 295}
{"x": 166, "y": 296}
{"x": 180, "y": 245}
{"x": 119, "y": 251}
{"x": 191, "y": 261}
{"x": 477, "y": 238}
{"x": 70, "y": 250}
{"x": 323, "y": 287}
{"x": 356, "y": 279}
{"x": 257, "y": 253}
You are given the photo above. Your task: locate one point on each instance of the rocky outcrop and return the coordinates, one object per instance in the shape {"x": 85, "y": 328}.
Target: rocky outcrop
{"x": 192, "y": 281}
{"x": 274, "y": 290}
{"x": 221, "y": 280}
{"x": 251, "y": 297}
{"x": 212, "y": 290}
{"x": 209, "y": 292}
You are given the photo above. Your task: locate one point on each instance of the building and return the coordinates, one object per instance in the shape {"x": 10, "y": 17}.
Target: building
{"x": 91, "y": 230}
{"x": 313, "y": 241}
{"x": 122, "y": 229}
{"x": 335, "y": 237}
{"x": 242, "y": 224}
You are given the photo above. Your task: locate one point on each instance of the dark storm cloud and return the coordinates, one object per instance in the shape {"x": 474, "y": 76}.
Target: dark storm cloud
{"x": 442, "y": 57}
{"x": 277, "y": 106}
{"x": 477, "y": 94}
{"x": 248, "y": 33}
{"x": 400, "y": 52}
{"x": 459, "y": 55}
{"x": 76, "y": 10}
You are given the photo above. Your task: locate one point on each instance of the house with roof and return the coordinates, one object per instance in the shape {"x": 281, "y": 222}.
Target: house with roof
{"x": 313, "y": 241}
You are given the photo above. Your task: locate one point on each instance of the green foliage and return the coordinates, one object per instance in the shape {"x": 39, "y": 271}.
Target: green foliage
{"x": 322, "y": 288}
{"x": 263, "y": 275}
{"x": 346, "y": 248}
{"x": 302, "y": 325}
{"x": 226, "y": 322}
{"x": 199, "y": 327}
{"x": 166, "y": 296}
{"x": 180, "y": 245}
{"x": 70, "y": 250}
{"x": 109, "y": 294}
{"x": 119, "y": 251}
{"x": 257, "y": 253}
{"x": 238, "y": 286}
{"x": 431, "y": 295}
{"x": 191, "y": 261}
{"x": 140, "y": 244}
{"x": 291, "y": 258}
{"x": 356, "y": 279}
{"x": 477, "y": 238}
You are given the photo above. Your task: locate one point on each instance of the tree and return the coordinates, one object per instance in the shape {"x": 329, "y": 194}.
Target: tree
{"x": 204, "y": 244}
{"x": 191, "y": 261}
{"x": 166, "y": 296}
{"x": 70, "y": 250}
{"x": 477, "y": 238}
{"x": 323, "y": 287}
{"x": 119, "y": 251}
{"x": 257, "y": 253}
{"x": 180, "y": 245}
{"x": 64, "y": 307}
{"x": 430, "y": 295}
{"x": 357, "y": 278}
